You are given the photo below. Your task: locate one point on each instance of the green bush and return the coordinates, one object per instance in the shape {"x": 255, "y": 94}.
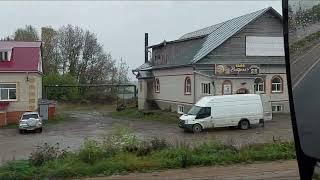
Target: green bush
{"x": 61, "y": 93}
{"x": 92, "y": 152}
{"x": 45, "y": 153}
{"x": 123, "y": 152}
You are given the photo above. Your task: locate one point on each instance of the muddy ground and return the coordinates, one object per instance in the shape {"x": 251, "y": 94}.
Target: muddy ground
{"x": 71, "y": 133}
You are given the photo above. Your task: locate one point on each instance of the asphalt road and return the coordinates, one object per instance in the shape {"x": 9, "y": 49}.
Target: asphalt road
{"x": 305, "y": 74}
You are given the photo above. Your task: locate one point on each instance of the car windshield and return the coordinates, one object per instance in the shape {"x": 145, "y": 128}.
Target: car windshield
{"x": 194, "y": 110}
{"x": 28, "y": 116}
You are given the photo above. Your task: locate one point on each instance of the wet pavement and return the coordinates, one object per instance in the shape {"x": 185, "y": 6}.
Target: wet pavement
{"x": 80, "y": 125}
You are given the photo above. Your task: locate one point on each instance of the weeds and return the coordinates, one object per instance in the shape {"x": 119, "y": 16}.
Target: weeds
{"x": 45, "y": 153}
{"x": 123, "y": 152}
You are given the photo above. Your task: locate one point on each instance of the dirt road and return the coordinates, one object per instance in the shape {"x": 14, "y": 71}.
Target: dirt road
{"x": 280, "y": 170}
{"x": 80, "y": 125}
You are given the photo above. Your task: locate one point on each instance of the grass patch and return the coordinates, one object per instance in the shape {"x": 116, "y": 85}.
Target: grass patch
{"x": 157, "y": 115}
{"x": 10, "y": 126}
{"x": 304, "y": 44}
{"x": 85, "y": 107}
{"x": 121, "y": 152}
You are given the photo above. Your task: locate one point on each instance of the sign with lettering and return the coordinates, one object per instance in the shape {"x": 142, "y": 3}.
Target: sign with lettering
{"x": 234, "y": 69}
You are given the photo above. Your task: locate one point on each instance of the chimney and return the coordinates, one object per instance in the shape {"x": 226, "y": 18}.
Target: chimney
{"x": 145, "y": 47}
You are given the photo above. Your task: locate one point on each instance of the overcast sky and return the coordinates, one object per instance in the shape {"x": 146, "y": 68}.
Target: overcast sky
{"x": 120, "y": 26}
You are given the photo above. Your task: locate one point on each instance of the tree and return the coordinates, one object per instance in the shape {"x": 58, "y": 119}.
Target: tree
{"x": 29, "y": 33}
{"x": 123, "y": 72}
{"x": 50, "y": 56}
{"x": 70, "y": 42}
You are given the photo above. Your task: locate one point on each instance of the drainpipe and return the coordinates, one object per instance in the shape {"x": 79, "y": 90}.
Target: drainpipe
{"x": 194, "y": 84}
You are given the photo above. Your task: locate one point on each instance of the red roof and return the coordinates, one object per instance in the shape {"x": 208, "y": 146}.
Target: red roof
{"x": 25, "y": 56}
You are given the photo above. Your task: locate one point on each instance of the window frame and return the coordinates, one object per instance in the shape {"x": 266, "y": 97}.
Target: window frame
{"x": 157, "y": 85}
{"x": 277, "y": 84}
{"x": 187, "y": 85}
{"x": 276, "y": 108}
{"x": 179, "y": 107}
{"x": 4, "y": 56}
{"x": 207, "y": 86}
{"x": 224, "y": 83}
{"x": 263, "y": 84}
{"x": 4, "y": 100}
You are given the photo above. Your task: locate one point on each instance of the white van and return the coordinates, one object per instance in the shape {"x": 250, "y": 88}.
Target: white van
{"x": 242, "y": 110}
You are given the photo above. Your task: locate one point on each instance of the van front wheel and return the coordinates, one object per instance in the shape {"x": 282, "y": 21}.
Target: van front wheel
{"x": 197, "y": 128}
{"x": 244, "y": 124}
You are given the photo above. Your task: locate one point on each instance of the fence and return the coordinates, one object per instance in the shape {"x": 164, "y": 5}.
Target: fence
{"x": 122, "y": 94}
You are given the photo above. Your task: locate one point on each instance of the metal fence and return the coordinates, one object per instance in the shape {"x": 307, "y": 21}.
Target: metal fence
{"x": 123, "y": 95}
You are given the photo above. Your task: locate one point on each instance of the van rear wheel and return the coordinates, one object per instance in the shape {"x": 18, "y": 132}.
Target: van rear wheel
{"x": 197, "y": 128}
{"x": 244, "y": 124}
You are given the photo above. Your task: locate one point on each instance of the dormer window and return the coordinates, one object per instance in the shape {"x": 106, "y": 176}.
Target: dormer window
{"x": 4, "y": 56}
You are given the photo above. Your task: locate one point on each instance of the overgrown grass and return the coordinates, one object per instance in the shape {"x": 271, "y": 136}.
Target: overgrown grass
{"x": 157, "y": 115}
{"x": 122, "y": 152}
{"x": 304, "y": 44}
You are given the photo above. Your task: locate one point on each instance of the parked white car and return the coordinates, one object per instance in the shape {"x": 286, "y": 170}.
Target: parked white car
{"x": 242, "y": 110}
{"x": 30, "y": 121}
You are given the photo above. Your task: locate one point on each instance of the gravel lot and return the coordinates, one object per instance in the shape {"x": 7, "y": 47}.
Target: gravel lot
{"x": 80, "y": 125}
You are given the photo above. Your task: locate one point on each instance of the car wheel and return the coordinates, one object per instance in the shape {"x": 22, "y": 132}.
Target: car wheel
{"x": 21, "y": 131}
{"x": 197, "y": 128}
{"x": 244, "y": 124}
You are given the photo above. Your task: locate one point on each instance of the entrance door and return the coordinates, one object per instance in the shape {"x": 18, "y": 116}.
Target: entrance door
{"x": 242, "y": 91}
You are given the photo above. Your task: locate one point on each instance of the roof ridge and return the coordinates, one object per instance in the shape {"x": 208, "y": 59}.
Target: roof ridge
{"x": 221, "y": 23}
{"x": 238, "y": 26}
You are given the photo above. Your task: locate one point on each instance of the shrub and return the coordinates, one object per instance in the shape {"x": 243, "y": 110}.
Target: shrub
{"x": 92, "y": 151}
{"x": 46, "y": 153}
{"x": 158, "y": 144}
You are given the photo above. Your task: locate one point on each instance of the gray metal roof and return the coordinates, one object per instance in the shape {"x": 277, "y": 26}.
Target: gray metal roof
{"x": 209, "y": 38}
{"x": 225, "y": 31}
{"x": 201, "y": 32}
{"x": 144, "y": 66}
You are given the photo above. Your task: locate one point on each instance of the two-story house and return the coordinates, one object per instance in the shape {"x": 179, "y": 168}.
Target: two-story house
{"x": 241, "y": 55}
{"x": 20, "y": 79}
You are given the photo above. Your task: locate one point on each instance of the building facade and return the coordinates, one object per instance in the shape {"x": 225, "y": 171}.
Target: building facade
{"x": 20, "y": 79}
{"x": 241, "y": 55}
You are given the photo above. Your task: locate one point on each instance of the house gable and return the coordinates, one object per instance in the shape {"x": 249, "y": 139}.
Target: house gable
{"x": 233, "y": 50}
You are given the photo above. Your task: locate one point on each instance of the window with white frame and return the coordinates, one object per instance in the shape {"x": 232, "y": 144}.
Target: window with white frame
{"x": 276, "y": 84}
{"x": 8, "y": 92}
{"x": 4, "y": 56}
{"x": 259, "y": 85}
{"x": 205, "y": 88}
{"x": 187, "y": 86}
{"x": 157, "y": 85}
{"x": 180, "y": 109}
{"x": 277, "y": 108}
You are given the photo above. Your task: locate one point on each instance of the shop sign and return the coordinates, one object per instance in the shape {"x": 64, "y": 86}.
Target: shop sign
{"x": 234, "y": 69}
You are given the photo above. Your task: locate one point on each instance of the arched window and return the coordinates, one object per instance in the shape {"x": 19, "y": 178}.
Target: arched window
{"x": 226, "y": 87}
{"x": 157, "y": 85}
{"x": 259, "y": 85}
{"x": 187, "y": 85}
{"x": 276, "y": 84}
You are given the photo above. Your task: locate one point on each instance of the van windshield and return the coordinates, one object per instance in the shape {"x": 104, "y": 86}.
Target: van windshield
{"x": 200, "y": 111}
{"x": 194, "y": 110}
